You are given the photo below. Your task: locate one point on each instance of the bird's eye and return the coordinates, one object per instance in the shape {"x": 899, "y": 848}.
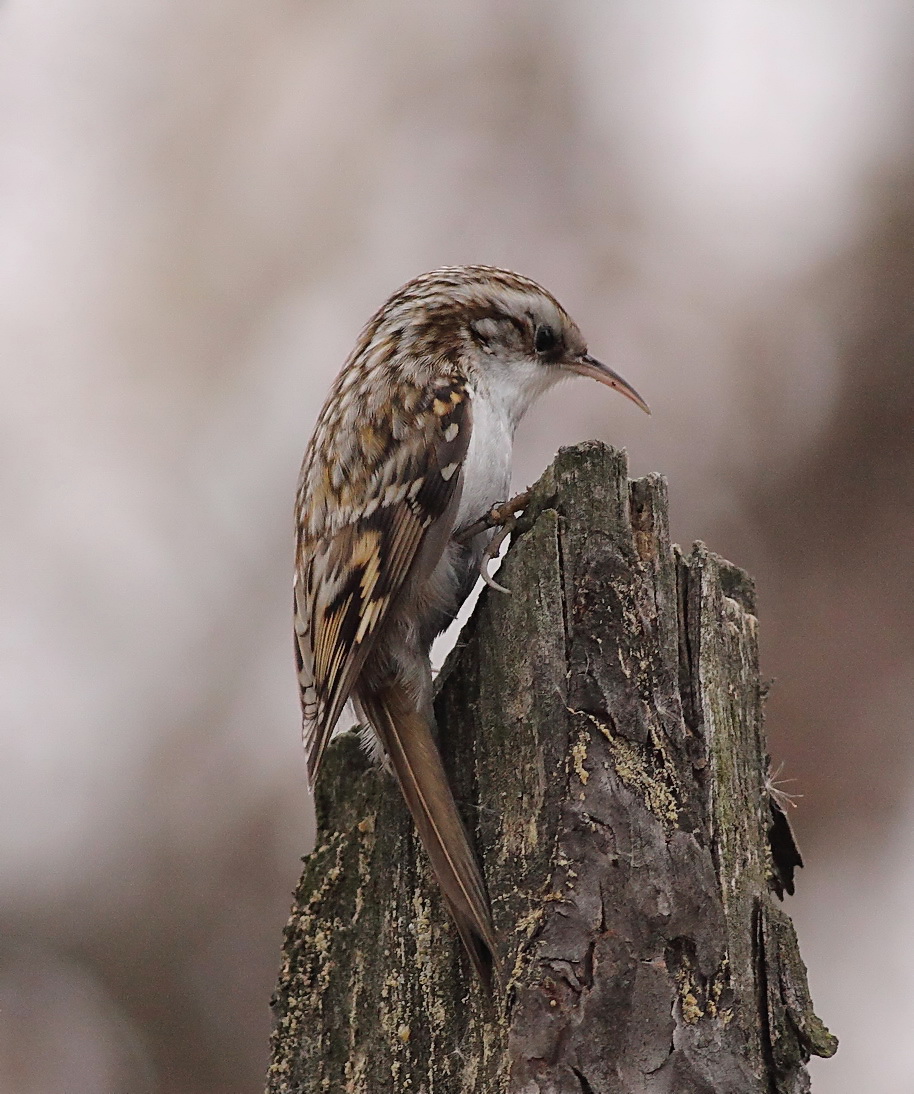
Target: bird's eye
{"x": 544, "y": 340}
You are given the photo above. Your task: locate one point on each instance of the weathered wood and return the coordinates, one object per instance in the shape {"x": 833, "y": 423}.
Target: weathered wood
{"x": 603, "y": 727}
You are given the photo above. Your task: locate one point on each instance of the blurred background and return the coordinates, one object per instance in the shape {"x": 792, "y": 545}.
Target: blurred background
{"x": 200, "y": 204}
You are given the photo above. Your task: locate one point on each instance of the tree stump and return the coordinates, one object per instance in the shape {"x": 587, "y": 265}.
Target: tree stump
{"x": 603, "y": 730}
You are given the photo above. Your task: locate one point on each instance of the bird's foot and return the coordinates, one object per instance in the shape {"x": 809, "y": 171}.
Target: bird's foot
{"x": 505, "y": 518}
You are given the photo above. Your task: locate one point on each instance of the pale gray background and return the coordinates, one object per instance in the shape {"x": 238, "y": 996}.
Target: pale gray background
{"x": 200, "y": 204}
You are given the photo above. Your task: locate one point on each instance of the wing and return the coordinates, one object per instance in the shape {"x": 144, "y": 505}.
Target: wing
{"x": 371, "y": 497}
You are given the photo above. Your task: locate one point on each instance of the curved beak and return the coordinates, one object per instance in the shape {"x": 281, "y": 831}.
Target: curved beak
{"x": 590, "y": 366}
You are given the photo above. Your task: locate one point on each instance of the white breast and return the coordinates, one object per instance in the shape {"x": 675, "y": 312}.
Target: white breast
{"x": 487, "y": 466}
{"x": 503, "y": 392}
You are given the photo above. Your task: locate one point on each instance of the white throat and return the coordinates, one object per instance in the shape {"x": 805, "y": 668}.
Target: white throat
{"x": 513, "y": 386}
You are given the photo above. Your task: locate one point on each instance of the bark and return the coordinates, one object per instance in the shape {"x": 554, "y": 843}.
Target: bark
{"x": 603, "y": 730}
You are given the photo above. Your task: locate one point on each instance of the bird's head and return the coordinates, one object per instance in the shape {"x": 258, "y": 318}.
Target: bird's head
{"x": 510, "y": 334}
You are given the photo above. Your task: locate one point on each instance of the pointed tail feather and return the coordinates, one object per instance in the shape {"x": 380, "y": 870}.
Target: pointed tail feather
{"x": 407, "y": 737}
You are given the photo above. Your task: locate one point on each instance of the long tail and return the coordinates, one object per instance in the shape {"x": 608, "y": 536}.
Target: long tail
{"x": 407, "y": 736}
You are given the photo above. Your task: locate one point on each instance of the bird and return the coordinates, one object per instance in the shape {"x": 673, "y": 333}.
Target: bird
{"x": 411, "y": 451}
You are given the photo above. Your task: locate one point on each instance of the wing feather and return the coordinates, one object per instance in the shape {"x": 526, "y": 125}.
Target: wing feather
{"x": 360, "y": 534}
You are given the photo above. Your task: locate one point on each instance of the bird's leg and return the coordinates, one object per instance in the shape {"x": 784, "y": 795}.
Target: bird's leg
{"x": 498, "y": 515}
{"x": 504, "y": 517}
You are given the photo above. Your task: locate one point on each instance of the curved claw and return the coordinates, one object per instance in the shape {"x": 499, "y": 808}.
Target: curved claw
{"x": 505, "y": 516}
{"x": 489, "y": 580}
{"x": 492, "y": 552}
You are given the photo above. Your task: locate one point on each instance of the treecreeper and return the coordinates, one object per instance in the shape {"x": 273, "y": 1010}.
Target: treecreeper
{"x": 403, "y": 488}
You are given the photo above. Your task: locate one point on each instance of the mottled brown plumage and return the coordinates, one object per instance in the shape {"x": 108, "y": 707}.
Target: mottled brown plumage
{"x": 412, "y": 447}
